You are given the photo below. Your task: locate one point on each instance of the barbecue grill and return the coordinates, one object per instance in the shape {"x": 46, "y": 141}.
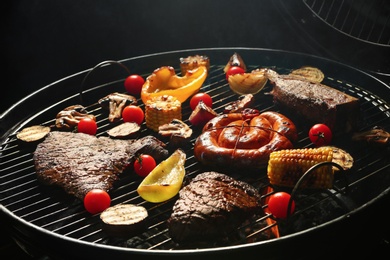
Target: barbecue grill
{"x": 44, "y": 221}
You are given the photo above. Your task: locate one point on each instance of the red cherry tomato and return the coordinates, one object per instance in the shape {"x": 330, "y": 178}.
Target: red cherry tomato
{"x": 320, "y": 134}
{"x": 133, "y": 84}
{"x": 234, "y": 70}
{"x": 144, "y": 164}
{"x": 87, "y": 126}
{"x": 207, "y": 100}
{"x": 133, "y": 113}
{"x": 96, "y": 200}
{"x": 278, "y": 204}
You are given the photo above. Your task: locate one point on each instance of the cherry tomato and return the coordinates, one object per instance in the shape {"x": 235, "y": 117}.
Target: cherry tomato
{"x": 87, "y": 126}
{"x": 133, "y": 113}
{"x": 234, "y": 70}
{"x": 278, "y": 204}
{"x": 144, "y": 164}
{"x": 96, "y": 200}
{"x": 134, "y": 83}
{"x": 320, "y": 134}
{"x": 207, "y": 100}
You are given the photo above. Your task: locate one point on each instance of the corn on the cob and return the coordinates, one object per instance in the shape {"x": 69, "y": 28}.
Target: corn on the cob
{"x": 162, "y": 110}
{"x": 285, "y": 167}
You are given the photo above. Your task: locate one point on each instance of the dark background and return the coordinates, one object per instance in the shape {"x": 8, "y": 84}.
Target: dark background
{"x": 48, "y": 40}
{"x": 45, "y": 41}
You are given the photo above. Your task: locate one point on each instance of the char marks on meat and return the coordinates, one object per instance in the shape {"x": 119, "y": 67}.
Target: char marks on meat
{"x": 316, "y": 102}
{"x": 210, "y": 207}
{"x": 80, "y": 162}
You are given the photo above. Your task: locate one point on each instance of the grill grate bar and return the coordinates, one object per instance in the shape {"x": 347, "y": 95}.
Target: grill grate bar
{"x": 51, "y": 210}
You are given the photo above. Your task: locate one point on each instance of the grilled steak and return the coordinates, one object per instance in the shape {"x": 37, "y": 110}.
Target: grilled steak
{"x": 316, "y": 102}
{"x": 79, "y": 162}
{"x": 211, "y": 206}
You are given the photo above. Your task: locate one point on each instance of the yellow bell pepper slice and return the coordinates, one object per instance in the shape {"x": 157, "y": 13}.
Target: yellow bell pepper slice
{"x": 164, "y": 81}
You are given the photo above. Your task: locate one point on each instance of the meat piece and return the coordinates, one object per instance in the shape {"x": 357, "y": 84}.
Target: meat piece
{"x": 80, "y": 162}
{"x": 244, "y": 140}
{"x": 316, "y": 102}
{"x": 211, "y": 206}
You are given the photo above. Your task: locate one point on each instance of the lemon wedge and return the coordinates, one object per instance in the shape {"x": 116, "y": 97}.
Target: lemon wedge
{"x": 165, "y": 180}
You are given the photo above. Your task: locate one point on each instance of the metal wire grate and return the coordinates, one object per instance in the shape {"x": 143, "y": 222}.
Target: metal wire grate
{"x": 365, "y": 20}
{"x": 56, "y": 212}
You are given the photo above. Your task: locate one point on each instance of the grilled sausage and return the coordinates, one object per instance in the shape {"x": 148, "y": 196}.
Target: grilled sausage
{"x": 238, "y": 140}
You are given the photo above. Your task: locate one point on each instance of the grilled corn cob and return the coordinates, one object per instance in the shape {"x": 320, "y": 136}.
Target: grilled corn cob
{"x": 161, "y": 110}
{"x": 285, "y": 167}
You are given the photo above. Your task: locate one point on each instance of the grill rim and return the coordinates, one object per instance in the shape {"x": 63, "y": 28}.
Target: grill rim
{"x": 339, "y": 7}
{"x": 186, "y": 252}
{"x": 256, "y": 245}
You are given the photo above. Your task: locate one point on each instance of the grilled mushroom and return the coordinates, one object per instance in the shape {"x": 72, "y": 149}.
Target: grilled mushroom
{"x": 124, "y": 130}
{"x": 115, "y": 102}
{"x": 178, "y": 132}
{"x": 69, "y": 117}
{"x": 244, "y": 101}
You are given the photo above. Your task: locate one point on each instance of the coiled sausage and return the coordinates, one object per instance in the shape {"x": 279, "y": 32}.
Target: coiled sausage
{"x": 244, "y": 140}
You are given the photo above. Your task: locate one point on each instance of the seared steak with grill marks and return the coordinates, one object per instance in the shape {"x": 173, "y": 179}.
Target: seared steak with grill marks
{"x": 211, "y": 206}
{"x": 315, "y": 101}
{"x": 80, "y": 162}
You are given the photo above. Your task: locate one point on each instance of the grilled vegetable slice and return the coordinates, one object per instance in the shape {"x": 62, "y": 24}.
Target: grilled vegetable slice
{"x": 342, "y": 158}
{"x": 123, "y": 219}
{"x": 193, "y": 62}
{"x": 124, "y": 130}
{"x": 309, "y": 73}
{"x": 178, "y": 132}
{"x": 248, "y": 83}
{"x": 376, "y": 135}
{"x": 164, "y": 81}
{"x": 115, "y": 103}
{"x": 235, "y": 61}
{"x": 165, "y": 180}
{"x": 244, "y": 101}
{"x": 33, "y": 133}
{"x": 69, "y": 117}
{"x": 285, "y": 167}
{"x": 201, "y": 114}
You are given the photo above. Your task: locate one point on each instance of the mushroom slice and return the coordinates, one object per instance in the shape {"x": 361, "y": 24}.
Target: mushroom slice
{"x": 69, "y": 117}
{"x": 116, "y": 102}
{"x": 175, "y": 127}
{"x": 178, "y": 131}
{"x": 244, "y": 101}
{"x": 124, "y": 130}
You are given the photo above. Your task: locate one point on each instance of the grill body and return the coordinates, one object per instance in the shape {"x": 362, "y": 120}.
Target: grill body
{"x": 44, "y": 220}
